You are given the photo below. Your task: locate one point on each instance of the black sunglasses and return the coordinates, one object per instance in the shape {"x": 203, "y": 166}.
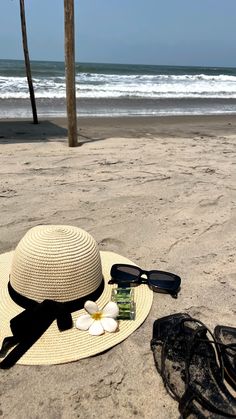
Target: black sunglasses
{"x": 158, "y": 281}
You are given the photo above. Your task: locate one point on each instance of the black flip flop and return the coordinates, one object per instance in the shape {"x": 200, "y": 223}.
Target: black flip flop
{"x": 226, "y": 336}
{"x": 187, "y": 362}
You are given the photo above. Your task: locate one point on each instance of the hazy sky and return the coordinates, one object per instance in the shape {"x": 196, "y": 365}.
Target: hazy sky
{"x": 174, "y": 32}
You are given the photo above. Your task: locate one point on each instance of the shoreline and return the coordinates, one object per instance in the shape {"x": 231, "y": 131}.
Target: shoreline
{"x": 120, "y": 107}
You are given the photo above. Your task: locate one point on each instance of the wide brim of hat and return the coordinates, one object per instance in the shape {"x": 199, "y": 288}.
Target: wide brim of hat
{"x": 56, "y": 347}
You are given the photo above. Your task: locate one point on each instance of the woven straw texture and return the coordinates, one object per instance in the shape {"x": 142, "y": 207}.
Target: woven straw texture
{"x": 56, "y": 347}
{"x": 61, "y": 263}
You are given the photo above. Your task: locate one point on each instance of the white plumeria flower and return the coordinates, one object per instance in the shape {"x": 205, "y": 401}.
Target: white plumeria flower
{"x": 97, "y": 321}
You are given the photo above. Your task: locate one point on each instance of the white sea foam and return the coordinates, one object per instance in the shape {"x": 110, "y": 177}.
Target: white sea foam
{"x": 94, "y": 85}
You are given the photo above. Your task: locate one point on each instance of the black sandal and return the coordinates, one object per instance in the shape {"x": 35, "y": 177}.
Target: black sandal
{"x": 187, "y": 362}
{"x": 227, "y": 337}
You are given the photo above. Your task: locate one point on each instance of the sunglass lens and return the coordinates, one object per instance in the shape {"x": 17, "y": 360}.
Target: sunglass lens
{"x": 125, "y": 273}
{"x": 164, "y": 281}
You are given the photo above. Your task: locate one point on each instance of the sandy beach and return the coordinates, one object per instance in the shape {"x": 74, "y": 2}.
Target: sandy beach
{"x": 160, "y": 191}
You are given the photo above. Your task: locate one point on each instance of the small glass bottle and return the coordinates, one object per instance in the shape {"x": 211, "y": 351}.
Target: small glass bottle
{"x": 124, "y": 298}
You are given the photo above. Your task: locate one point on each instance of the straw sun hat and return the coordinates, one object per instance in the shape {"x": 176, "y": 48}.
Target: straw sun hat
{"x": 53, "y": 265}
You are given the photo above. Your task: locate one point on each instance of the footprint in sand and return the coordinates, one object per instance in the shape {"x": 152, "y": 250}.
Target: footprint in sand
{"x": 81, "y": 222}
{"x": 111, "y": 244}
{"x": 7, "y": 193}
{"x": 210, "y": 202}
{"x": 206, "y": 314}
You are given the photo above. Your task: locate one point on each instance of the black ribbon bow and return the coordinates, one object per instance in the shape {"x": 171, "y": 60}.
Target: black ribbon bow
{"x": 28, "y": 326}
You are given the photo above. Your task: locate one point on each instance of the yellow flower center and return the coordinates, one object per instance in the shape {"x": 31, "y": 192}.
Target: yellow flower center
{"x": 97, "y": 315}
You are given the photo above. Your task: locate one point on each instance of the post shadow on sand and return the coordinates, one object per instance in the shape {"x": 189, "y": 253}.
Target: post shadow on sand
{"x": 13, "y": 132}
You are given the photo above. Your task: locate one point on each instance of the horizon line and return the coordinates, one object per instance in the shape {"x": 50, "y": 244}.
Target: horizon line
{"x": 121, "y": 64}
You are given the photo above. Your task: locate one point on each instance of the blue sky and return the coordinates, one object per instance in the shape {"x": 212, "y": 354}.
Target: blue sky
{"x": 165, "y": 32}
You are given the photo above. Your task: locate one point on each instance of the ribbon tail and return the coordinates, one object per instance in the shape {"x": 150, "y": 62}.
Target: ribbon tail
{"x": 22, "y": 347}
{"x": 7, "y": 344}
{"x": 14, "y": 355}
{"x": 28, "y": 326}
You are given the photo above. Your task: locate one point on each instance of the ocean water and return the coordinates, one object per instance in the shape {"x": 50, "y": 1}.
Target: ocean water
{"x": 118, "y": 90}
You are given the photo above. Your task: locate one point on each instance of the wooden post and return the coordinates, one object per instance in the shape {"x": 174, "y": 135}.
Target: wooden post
{"x": 27, "y": 61}
{"x": 70, "y": 72}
